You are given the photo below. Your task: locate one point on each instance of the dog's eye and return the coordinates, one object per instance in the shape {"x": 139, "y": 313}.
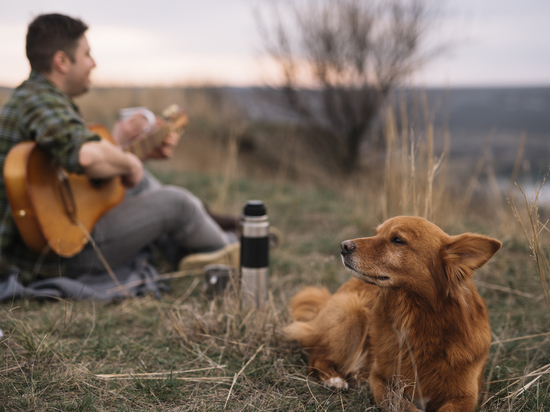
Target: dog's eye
{"x": 398, "y": 241}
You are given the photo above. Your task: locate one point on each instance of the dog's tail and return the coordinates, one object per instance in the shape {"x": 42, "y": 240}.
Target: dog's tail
{"x": 307, "y": 303}
{"x": 302, "y": 332}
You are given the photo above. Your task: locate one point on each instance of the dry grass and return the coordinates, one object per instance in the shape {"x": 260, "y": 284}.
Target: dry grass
{"x": 185, "y": 352}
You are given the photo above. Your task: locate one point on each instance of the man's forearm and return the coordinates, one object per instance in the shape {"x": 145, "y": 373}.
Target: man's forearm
{"x": 102, "y": 160}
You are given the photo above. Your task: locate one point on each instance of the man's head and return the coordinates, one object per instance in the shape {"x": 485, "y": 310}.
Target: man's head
{"x": 49, "y": 33}
{"x": 57, "y": 47}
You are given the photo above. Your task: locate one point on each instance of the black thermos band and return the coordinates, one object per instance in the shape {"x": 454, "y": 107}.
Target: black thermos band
{"x": 254, "y": 252}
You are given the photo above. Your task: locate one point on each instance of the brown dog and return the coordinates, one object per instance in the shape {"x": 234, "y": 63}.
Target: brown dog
{"x": 413, "y": 316}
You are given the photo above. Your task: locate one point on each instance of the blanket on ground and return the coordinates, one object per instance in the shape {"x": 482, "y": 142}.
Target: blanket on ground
{"x": 137, "y": 274}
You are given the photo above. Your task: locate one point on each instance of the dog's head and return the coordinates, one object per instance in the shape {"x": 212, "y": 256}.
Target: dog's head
{"x": 412, "y": 253}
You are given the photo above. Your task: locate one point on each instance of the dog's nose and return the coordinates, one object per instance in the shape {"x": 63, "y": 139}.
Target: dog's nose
{"x": 347, "y": 246}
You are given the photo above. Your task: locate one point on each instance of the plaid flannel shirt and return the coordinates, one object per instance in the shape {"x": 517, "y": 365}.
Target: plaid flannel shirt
{"x": 37, "y": 110}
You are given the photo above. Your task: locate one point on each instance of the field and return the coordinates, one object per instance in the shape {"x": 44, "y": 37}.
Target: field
{"x": 185, "y": 352}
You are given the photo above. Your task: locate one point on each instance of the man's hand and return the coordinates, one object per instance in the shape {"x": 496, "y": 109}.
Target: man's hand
{"x": 134, "y": 127}
{"x": 166, "y": 149}
{"x": 135, "y": 174}
{"x": 130, "y": 128}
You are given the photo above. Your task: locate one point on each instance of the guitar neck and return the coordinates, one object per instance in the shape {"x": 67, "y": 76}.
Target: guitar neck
{"x": 142, "y": 147}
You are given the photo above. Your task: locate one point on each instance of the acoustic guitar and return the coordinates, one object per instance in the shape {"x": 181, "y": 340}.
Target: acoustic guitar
{"x": 55, "y": 210}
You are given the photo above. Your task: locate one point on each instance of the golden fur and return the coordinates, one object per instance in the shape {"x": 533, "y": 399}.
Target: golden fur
{"x": 412, "y": 313}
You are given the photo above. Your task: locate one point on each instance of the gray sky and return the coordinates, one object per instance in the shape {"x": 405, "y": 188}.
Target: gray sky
{"x": 166, "y": 42}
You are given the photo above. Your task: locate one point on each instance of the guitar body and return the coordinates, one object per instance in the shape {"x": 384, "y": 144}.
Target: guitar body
{"x": 36, "y": 195}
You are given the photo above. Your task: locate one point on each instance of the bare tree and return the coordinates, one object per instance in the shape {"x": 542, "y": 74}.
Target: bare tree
{"x": 354, "y": 52}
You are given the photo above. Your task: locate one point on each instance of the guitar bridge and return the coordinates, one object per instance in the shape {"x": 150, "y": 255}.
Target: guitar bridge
{"x": 66, "y": 194}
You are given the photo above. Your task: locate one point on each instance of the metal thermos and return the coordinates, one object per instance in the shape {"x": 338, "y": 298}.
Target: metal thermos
{"x": 254, "y": 254}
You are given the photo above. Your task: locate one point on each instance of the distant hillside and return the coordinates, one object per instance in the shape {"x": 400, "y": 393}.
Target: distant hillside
{"x": 471, "y": 115}
{"x": 511, "y": 109}
{"x": 501, "y": 115}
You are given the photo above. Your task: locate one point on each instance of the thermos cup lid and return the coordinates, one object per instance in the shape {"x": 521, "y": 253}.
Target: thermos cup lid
{"x": 255, "y": 208}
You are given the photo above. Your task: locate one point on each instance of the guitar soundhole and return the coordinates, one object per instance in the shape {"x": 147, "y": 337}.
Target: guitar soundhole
{"x": 97, "y": 183}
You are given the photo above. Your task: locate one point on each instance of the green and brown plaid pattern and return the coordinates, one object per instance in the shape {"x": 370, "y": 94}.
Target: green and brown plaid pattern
{"x": 37, "y": 110}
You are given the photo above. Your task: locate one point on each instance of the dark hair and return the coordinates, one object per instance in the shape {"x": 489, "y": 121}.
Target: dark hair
{"x": 49, "y": 33}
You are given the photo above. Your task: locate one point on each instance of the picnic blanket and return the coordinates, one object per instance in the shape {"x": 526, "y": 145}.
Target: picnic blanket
{"x": 138, "y": 274}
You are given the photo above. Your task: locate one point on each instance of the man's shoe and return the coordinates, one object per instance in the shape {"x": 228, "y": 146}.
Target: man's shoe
{"x": 228, "y": 255}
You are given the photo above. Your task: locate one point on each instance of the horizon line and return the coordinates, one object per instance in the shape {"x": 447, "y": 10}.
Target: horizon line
{"x": 265, "y": 86}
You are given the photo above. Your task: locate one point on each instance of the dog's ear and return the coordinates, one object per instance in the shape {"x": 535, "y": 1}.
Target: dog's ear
{"x": 463, "y": 254}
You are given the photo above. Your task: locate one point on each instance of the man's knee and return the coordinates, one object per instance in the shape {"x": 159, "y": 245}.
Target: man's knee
{"x": 183, "y": 199}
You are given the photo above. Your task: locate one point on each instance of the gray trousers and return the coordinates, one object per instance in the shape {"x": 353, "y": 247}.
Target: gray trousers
{"x": 170, "y": 216}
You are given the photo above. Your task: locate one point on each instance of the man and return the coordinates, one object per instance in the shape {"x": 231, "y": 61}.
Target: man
{"x": 42, "y": 109}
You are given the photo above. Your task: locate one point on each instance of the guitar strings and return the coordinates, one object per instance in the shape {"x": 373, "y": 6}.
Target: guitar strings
{"x": 103, "y": 260}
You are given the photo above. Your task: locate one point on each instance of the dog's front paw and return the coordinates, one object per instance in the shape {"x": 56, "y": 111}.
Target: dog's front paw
{"x": 337, "y": 382}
